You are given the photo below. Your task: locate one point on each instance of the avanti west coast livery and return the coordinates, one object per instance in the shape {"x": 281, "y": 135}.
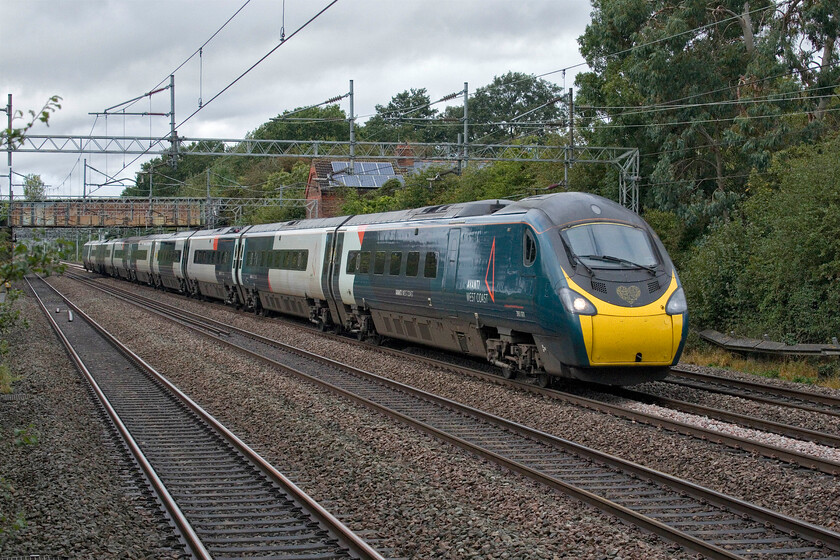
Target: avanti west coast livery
{"x": 562, "y": 285}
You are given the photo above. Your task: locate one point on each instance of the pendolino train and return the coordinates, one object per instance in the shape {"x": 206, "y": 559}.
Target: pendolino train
{"x": 561, "y": 285}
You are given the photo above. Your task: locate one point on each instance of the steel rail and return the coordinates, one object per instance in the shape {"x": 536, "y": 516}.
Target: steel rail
{"x": 767, "y": 450}
{"x": 175, "y": 514}
{"x": 818, "y": 535}
{"x": 822, "y": 438}
{"x": 704, "y": 382}
{"x": 344, "y": 535}
{"x": 760, "y": 387}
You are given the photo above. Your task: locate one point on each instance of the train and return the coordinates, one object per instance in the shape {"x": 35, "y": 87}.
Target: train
{"x": 561, "y": 285}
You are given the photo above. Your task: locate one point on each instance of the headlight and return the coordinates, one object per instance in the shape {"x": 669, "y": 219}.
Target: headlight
{"x": 676, "y": 304}
{"x": 575, "y": 303}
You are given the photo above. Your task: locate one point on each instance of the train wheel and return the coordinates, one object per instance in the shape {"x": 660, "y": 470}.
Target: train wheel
{"x": 543, "y": 380}
{"x": 508, "y": 372}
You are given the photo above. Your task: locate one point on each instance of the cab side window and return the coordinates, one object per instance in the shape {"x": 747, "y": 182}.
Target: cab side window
{"x": 529, "y": 248}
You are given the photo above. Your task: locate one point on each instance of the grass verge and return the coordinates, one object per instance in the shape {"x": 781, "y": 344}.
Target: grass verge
{"x": 824, "y": 372}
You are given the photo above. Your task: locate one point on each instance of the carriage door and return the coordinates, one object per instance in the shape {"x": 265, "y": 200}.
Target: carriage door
{"x": 452, "y": 260}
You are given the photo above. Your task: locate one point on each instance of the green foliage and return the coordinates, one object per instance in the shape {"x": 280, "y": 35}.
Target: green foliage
{"x": 6, "y": 377}
{"x": 670, "y": 229}
{"x": 15, "y": 136}
{"x": 16, "y": 261}
{"x": 9, "y": 523}
{"x": 34, "y": 187}
{"x": 509, "y": 97}
{"x": 775, "y": 268}
{"x": 706, "y": 92}
{"x": 315, "y": 123}
{"x": 408, "y": 117}
{"x": 27, "y": 436}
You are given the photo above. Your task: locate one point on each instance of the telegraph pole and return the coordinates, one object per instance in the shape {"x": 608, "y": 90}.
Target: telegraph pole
{"x": 352, "y": 130}
{"x": 8, "y": 110}
{"x": 9, "y": 150}
{"x": 567, "y": 161}
{"x": 173, "y": 134}
{"x": 466, "y": 124}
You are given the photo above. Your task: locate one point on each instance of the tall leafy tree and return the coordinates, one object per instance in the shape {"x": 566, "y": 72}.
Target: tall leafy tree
{"x": 313, "y": 123}
{"x": 34, "y": 187}
{"x": 511, "y": 106}
{"x": 408, "y": 117}
{"x": 704, "y": 88}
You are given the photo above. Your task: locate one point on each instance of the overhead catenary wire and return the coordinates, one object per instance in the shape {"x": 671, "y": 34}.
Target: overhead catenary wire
{"x": 235, "y": 81}
{"x": 198, "y": 51}
{"x": 329, "y": 101}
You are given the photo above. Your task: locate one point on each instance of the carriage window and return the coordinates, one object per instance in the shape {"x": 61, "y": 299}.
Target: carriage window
{"x": 396, "y": 261}
{"x": 304, "y": 259}
{"x": 412, "y": 264}
{"x": 529, "y": 249}
{"x": 352, "y": 257}
{"x": 379, "y": 263}
{"x": 430, "y": 268}
{"x": 364, "y": 263}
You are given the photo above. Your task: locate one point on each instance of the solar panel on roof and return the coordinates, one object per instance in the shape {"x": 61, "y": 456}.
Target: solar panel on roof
{"x": 366, "y": 174}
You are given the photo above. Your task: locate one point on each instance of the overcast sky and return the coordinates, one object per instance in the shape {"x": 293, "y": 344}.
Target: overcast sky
{"x": 96, "y": 54}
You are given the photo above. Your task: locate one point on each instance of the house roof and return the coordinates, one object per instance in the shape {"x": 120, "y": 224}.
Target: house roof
{"x": 362, "y": 174}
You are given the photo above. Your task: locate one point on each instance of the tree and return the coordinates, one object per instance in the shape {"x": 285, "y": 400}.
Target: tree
{"x": 774, "y": 267}
{"x": 513, "y": 105}
{"x": 34, "y": 187}
{"x": 17, "y": 260}
{"x": 327, "y": 123}
{"x": 703, "y": 88}
{"x": 408, "y": 117}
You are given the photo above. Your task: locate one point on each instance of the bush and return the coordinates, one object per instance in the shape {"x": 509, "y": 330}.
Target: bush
{"x": 775, "y": 268}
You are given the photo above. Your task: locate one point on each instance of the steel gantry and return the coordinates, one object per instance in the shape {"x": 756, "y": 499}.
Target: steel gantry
{"x": 625, "y": 160}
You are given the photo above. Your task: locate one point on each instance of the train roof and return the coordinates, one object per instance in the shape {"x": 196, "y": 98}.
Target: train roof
{"x": 311, "y": 223}
{"x": 218, "y": 232}
{"x": 441, "y": 211}
{"x": 571, "y": 207}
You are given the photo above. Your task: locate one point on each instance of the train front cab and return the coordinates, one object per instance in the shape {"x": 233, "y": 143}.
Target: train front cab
{"x": 625, "y": 311}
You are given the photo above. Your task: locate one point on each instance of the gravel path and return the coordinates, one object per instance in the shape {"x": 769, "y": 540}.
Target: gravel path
{"x": 420, "y": 497}
{"x": 68, "y": 483}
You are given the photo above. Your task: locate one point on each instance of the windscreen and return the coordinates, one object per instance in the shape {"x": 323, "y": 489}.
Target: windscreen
{"x": 606, "y": 245}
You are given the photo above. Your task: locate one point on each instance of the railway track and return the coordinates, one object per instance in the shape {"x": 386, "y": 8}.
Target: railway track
{"x": 759, "y": 392}
{"x": 738, "y": 442}
{"x": 702, "y": 520}
{"x": 222, "y": 498}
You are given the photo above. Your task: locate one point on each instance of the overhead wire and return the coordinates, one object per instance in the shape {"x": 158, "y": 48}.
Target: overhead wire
{"x": 236, "y": 80}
